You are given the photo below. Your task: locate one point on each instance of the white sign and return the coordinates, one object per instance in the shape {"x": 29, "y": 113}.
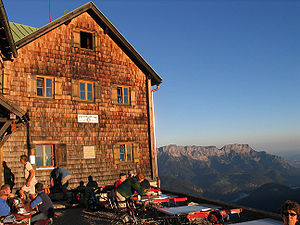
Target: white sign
{"x": 32, "y": 159}
{"x": 89, "y": 152}
{"x": 88, "y": 118}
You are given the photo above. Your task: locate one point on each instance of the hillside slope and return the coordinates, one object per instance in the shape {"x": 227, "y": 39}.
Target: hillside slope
{"x": 224, "y": 173}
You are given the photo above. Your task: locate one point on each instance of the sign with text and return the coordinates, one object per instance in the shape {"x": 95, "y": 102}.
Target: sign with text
{"x": 87, "y": 118}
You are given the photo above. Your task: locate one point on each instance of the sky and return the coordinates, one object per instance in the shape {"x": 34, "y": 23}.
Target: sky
{"x": 230, "y": 68}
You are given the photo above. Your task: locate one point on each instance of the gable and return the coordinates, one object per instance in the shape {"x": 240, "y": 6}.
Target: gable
{"x": 109, "y": 29}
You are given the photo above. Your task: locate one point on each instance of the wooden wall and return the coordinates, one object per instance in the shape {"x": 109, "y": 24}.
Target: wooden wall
{"x": 55, "y": 120}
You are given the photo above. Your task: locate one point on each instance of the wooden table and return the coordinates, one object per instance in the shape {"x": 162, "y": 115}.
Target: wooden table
{"x": 184, "y": 209}
{"x": 261, "y": 222}
{"x": 152, "y": 198}
{"x": 26, "y": 217}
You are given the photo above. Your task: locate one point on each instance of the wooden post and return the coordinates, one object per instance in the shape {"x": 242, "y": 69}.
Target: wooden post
{"x": 1, "y": 166}
{"x": 151, "y": 131}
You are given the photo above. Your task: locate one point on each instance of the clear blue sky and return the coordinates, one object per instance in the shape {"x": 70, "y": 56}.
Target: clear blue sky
{"x": 230, "y": 69}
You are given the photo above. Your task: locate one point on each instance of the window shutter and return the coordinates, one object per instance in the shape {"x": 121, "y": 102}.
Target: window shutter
{"x": 97, "y": 41}
{"x": 136, "y": 152}
{"x": 60, "y": 154}
{"x": 58, "y": 88}
{"x": 75, "y": 89}
{"x": 97, "y": 92}
{"x": 132, "y": 96}
{"x": 76, "y": 38}
{"x": 114, "y": 95}
{"x": 31, "y": 85}
{"x": 116, "y": 150}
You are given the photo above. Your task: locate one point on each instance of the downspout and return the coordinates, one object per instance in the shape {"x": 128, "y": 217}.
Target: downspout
{"x": 154, "y": 131}
{"x": 28, "y": 138}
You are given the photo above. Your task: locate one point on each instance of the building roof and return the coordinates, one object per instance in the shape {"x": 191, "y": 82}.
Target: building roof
{"x": 106, "y": 25}
{"x": 19, "y": 31}
{"x": 7, "y": 44}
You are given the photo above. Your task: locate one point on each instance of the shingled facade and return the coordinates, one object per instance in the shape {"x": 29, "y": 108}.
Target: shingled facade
{"x": 88, "y": 95}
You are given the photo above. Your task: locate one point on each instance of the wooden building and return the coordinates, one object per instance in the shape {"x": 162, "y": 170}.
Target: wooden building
{"x": 88, "y": 95}
{"x": 11, "y": 115}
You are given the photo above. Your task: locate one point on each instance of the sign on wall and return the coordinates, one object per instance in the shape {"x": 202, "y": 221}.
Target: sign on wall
{"x": 89, "y": 152}
{"x": 87, "y": 118}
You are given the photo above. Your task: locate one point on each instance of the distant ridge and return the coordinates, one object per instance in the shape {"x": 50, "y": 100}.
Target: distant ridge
{"x": 224, "y": 174}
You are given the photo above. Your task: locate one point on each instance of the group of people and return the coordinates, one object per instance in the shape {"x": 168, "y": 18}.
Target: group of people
{"x": 42, "y": 203}
{"x": 126, "y": 186}
{"x": 39, "y": 199}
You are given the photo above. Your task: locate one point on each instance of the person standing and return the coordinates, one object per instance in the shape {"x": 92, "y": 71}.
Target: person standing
{"x": 30, "y": 179}
{"x": 63, "y": 175}
{"x": 9, "y": 177}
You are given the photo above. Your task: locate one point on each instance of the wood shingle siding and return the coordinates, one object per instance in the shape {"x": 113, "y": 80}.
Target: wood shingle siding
{"x": 54, "y": 120}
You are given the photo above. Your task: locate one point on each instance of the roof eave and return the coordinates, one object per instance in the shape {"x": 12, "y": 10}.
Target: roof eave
{"x": 7, "y": 31}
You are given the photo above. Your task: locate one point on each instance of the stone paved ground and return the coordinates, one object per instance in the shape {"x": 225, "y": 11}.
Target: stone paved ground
{"x": 80, "y": 216}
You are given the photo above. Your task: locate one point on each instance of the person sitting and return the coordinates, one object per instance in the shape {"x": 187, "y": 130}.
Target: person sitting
{"x": 131, "y": 173}
{"x": 144, "y": 182}
{"x": 43, "y": 204}
{"x": 6, "y": 188}
{"x": 81, "y": 187}
{"x": 80, "y": 192}
{"x": 126, "y": 190}
{"x": 4, "y": 208}
{"x": 91, "y": 183}
{"x": 123, "y": 177}
{"x": 290, "y": 212}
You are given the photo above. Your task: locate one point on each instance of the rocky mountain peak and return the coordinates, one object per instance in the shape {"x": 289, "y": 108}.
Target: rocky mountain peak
{"x": 238, "y": 148}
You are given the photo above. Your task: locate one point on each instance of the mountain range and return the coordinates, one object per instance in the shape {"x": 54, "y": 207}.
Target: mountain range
{"x": 231, "y": 173}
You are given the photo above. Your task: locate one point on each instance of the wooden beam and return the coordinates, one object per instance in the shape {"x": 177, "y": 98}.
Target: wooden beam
{"x": 3, "y": 120}
{"x": 4, "y": 127}
{"x": 3, "y": 140}
{"x": 11, "y": 106}
{"x": 151, "y": 130}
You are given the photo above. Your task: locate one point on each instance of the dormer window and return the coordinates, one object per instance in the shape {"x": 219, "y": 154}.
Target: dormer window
{"x": 86, "y": 40}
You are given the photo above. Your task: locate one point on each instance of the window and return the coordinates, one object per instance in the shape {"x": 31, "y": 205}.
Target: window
{"x": 123, "y": 95}
{"x": 44, "y": 156}
{"x": 44, "y": 87}
{"x": 86, "y": 40}
{"x": 126, "y": 152}
{"x": 86, "y": 90}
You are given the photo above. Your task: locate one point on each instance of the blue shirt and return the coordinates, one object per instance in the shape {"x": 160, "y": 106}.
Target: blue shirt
{"x": 62, "y": 172}
{"x": 38, "y": 200}
{"x": 4, "y": 208}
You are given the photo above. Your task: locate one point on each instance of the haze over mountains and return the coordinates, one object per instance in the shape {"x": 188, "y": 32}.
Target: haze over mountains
{"x": 232, "y": 173}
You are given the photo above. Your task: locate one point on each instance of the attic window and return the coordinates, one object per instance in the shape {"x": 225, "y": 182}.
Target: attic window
{"x": 86, "y": 40}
